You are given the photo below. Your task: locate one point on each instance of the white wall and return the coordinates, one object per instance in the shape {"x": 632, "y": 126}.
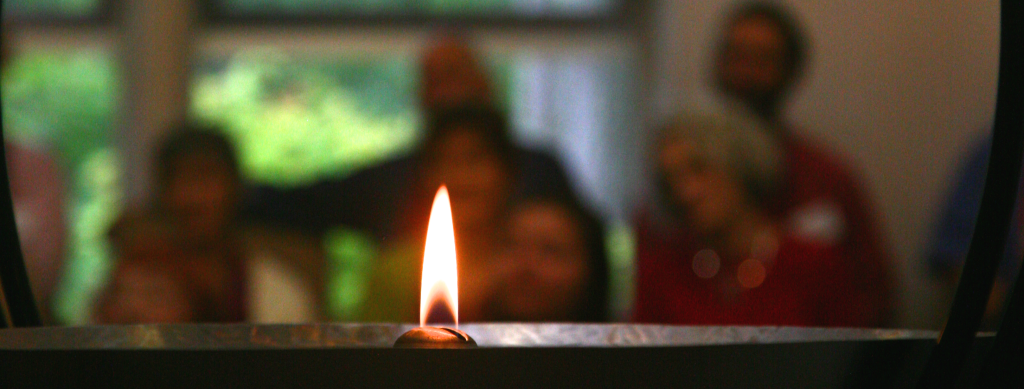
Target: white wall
{"x": 901, "y": 88}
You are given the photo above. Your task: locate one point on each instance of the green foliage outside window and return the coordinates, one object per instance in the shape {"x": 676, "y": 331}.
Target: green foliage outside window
{"x": 298, "y": 120}
{"x": 294, "y": 119}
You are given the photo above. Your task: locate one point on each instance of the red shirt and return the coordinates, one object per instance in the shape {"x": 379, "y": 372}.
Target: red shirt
{"x": 819, "y": 188}
{"x": 802, "y": 285}
{"x": 825, "y": 215}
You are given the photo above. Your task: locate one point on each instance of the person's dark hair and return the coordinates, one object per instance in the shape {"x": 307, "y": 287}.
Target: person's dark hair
{"x": 792, "y": 34}
{"x": 489, "y": 123}
{"x": 192, "y": 139}
{"x": 594, "y": 307}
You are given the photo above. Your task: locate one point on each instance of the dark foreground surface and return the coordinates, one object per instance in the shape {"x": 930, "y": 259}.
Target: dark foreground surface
{"x": 510, "y": 355}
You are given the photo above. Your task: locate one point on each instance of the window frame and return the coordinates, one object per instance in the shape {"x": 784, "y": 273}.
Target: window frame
{"x": 620, "y": 13}
{"x": 107, "y": 13}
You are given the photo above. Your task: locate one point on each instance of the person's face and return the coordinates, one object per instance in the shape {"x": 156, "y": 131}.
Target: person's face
{"x": 477, "y": 180}
{"x": 144, "y": 294}
{"x": 708, "y": 197}
{"x": 546, "y": 270}
{"x": 753, "y": 61}
{"x": 201, "y": 195}
{"x": 451, "y": 77}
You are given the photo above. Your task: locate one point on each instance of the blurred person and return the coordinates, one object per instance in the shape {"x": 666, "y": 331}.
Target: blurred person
{"x": 37, "y": 191}
{"x": 760, "y": 57}
{"x": 149, "y": 282}
{"x": 554, "y": 267}
{"x": 141, "y": 292}
{"x": 709, "y": 251}
{"x": 451, "y": 75}
{"x": 368, "y": 200}
{"x": 254, "y": 273}
{"x": 947, "y": 250}
{"x": 469, "y": 151}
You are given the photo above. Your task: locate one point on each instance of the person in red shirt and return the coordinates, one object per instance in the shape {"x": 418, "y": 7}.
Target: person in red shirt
{"x": 759, "y": 59}
{"x": 710, "y": 251}
{"x": 149, "y": 280}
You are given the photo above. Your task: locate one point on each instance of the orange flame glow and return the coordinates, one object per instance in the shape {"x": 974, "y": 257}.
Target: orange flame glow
{"x": 439, "y": 290}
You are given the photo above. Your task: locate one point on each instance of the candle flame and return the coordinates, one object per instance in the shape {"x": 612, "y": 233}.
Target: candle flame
{"x": 439, "y": 290}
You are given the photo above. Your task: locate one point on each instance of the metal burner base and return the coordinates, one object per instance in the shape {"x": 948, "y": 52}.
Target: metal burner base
{"x": 510, "y": 355}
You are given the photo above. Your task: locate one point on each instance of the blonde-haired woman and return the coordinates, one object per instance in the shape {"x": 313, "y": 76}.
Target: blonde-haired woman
{"x": 709, "y": 251}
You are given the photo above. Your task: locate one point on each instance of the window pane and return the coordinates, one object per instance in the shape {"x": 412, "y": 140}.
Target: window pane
{"x": 62, "y": 105}
{"x": 284, "y": 112}
{"x": 311, "y": 7}
{"x": 51, "y": 8}
{"x": 297, "y": 119}
{"x": 577, "y": 106}
{"x": 570, "y": 8}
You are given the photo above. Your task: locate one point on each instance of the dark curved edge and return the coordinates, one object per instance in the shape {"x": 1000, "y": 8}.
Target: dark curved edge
{"x": 1007, "y": 356}
{"x": 17, "y": 292}
{"x": 994, "y": 217}
{"x": 1005, "y": 361}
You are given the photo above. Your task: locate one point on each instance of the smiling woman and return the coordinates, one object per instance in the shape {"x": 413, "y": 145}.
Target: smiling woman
{"x": 719, "y": 174}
